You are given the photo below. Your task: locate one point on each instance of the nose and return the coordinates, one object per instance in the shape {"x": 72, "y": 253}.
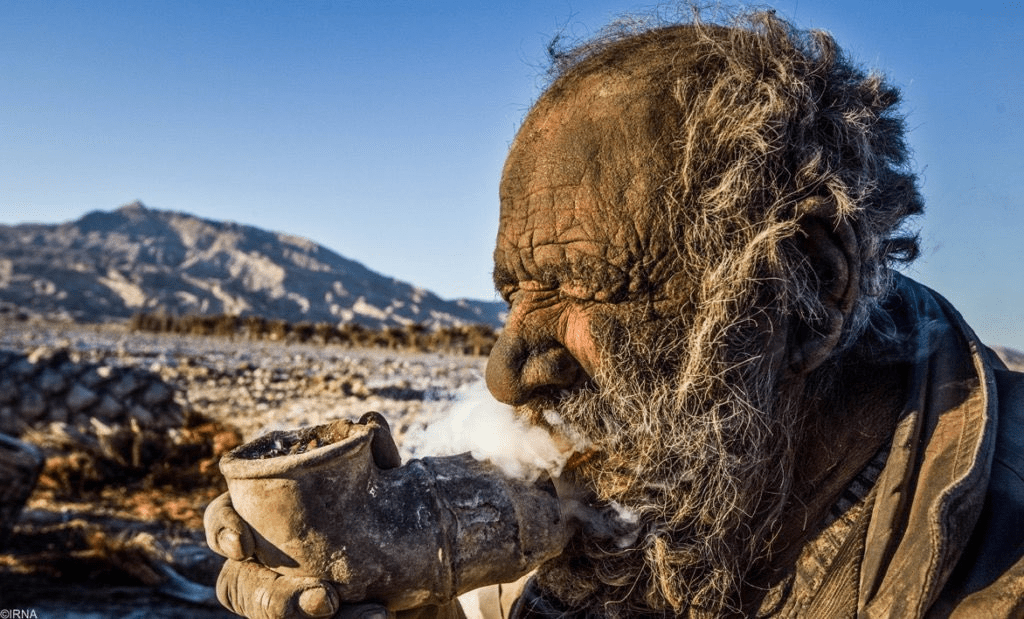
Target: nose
{"x": 518, "y": 370}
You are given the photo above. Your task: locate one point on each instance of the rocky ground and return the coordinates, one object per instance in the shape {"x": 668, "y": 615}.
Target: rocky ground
{"x": 132, "y": 426}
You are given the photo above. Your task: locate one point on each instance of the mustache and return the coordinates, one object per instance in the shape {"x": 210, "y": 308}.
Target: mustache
{"x": 704, "y": 468}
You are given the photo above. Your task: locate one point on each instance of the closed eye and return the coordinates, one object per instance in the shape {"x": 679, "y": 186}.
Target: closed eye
{"x": 508, "y": 294}
{"x": 538, "y": 290}
{"x": 576, "y": 291}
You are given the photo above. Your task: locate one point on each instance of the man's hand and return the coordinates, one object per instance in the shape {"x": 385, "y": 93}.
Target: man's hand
{"x": 254, "y": 591}
{"x": 249, "y": 589}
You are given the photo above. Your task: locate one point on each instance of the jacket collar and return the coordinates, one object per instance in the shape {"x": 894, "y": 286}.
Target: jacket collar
{"x": 931, "y": 491}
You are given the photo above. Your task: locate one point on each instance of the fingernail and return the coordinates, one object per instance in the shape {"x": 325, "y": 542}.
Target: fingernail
{"x": 230, "y": 543}
{"x": 318, "y": 602}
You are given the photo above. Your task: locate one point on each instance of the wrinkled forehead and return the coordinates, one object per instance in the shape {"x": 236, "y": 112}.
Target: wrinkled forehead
{"x": 588, "y": 132}
{"x": 575, "y": 187}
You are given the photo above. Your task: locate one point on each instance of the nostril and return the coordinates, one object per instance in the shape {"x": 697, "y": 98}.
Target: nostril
{"x": 515, "y": 375}
{"x": 504, "y": 368}
{"x": 552, "y": 370}
{"x": 517, "y": 372}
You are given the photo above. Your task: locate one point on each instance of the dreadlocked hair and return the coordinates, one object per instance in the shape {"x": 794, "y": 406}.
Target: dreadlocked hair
{"x": 759, "y": 125}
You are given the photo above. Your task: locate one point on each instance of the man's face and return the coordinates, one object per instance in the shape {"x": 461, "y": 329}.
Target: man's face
{"x": 602, "y": 329}
{"x": 573, "y": 247}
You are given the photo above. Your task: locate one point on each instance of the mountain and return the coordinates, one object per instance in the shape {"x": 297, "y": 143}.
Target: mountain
{"x": 1014, "y": 359}
{"x": 110, "y": 265}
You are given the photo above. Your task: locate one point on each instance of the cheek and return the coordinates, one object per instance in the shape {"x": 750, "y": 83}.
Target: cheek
{"x": 637, "y": 340}
{"x": 578, "y": 339}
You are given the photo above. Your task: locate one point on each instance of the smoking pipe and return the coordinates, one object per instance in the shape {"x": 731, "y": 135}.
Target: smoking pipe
{"x": 334, "y": 502}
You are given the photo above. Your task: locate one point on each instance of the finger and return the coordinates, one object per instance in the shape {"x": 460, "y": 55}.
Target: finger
{"x": 256, "y": 592}
{"x": 226, "y": 533}
{"x": 373, "y": 418}
{"x": 382, "y": 446}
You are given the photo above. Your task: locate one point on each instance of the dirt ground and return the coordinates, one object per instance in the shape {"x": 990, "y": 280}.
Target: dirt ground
{"x": 97, "y": 540}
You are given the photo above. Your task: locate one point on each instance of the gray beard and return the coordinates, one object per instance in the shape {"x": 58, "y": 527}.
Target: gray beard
{"x": 704, "y": 463}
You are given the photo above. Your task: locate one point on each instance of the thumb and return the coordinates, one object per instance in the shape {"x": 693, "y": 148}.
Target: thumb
{"x": 226, "y": 533}
{"x": 382, "y": 445}
{"x": 256, "y": 592}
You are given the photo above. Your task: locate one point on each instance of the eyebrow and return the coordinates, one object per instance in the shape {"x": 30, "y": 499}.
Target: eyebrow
{"x": 554, "y": 275}
{"x": 503, "y": 277}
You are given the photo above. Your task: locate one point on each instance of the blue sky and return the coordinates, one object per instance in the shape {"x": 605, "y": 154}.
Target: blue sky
{"x": 378, "y": 128}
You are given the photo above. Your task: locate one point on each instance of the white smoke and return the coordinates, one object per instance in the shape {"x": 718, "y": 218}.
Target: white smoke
{"x": 490, "y": 430}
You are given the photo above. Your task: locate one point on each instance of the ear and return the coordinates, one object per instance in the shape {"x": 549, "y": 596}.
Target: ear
{"x": 833, "y": 254}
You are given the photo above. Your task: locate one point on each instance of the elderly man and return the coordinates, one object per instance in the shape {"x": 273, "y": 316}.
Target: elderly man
{"x": 698, "y": 229}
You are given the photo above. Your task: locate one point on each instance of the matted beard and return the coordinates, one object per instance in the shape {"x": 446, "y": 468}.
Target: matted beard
{"x": 704, "y": 460}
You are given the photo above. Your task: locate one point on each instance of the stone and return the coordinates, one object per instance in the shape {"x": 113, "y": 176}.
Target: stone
{"x": 173, "y": 416}
{"x": 7, "y": 357}
{"x": 50, "y": 381}
{"x": 23, "y": 368}
{"x": 81, "y": 422}
{"x": 32, "y": 405}
{"x": 108, "y": 409}
{"x": 20, "y": 465}
{"x": 157, "y": 393}
{"x": 10, "y": 423}
{"x": 94, "y": 376}
{"x": 8, "y": 390}
{"x": 142, "y": 415}
{"x": 81, "y": 397}
{"x": 70, "y": 369}
{"x": 56, "y": 359}
{"x": 126, "y": 385}
{"x": 58, "y": 413}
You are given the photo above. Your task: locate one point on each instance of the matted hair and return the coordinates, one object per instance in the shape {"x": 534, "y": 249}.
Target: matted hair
{"x": 743, "y": 128}
{"x": 761, "y": 125}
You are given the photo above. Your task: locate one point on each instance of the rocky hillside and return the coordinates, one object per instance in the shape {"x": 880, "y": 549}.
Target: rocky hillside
{"x": 110, "y": 265}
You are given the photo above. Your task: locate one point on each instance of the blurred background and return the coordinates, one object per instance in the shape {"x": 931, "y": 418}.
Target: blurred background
{"x": 378, "y": 129}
